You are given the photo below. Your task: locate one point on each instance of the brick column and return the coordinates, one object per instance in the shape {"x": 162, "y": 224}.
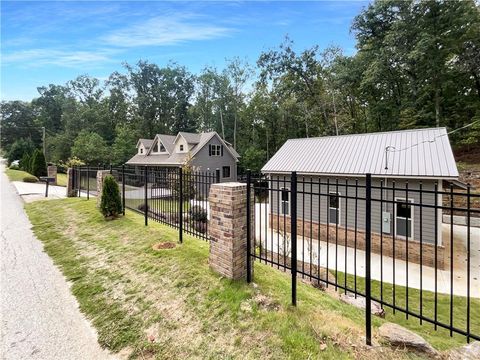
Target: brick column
{"x": 228, "y": 229}
{"x": 101, "y": 174}
{"x": 52, "y": 172}
{"x": 70, "y": 190}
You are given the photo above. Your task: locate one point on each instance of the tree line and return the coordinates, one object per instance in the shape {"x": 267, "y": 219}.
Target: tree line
{"x": 417, "y": 65}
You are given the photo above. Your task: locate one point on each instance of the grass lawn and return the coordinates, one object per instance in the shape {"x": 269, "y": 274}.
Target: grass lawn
{"x": 16, "y": 175}
{"x": 133, "y": 294}
{"x": 61, "y": 179}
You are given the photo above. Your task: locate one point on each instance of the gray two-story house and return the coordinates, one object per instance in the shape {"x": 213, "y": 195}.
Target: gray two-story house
{"x": 205, "y": 151}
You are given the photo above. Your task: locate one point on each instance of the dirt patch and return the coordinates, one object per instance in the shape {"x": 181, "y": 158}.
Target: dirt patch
{"x": 164, "y": 245}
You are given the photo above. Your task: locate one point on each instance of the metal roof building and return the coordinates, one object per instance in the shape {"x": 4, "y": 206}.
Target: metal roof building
{"x": 420, "y": 153}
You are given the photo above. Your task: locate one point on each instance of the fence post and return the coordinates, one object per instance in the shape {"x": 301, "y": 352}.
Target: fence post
{"x": 217, "y": 176}
{"x": 123, "y": 189}
{"x": 249, "y": 227}
{"x": 368, "y": 249}
{"x": 293, "y": 234}
{"x": 146, "y": 195}
{"x": 88, "y": 183}
{"x": 79, "y": 181}
{"x": 180, "y": 205}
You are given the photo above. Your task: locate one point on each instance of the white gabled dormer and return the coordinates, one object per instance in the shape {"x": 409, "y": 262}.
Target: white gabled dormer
{"x": 159, "y": 148}
{"x": 181, "y": 145}
{"x": 142, "y": 150}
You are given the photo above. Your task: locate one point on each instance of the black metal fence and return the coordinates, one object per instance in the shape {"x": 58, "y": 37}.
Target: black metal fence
{"x": 170, "y": 195}
{"x": 393, "y": 242}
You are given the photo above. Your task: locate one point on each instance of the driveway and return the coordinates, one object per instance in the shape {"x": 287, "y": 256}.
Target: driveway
{"x": 40, "y": 318}
{"x": 316, "y": 253}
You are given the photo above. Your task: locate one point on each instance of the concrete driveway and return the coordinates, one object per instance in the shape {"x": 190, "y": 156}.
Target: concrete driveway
{"x": 316, "y": 252}
{"x": 40, "y": 318}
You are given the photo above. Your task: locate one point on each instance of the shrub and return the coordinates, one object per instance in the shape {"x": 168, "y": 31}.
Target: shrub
{"x": 30, "y": 179}
{"x": 38, "y": 164}
{"x": 198, "y": 213}
{"x": 18, "y": 148}
{"x": 142, "y": 207}
{"x": 111, "y": 203}
{"x": 25, "y": 162}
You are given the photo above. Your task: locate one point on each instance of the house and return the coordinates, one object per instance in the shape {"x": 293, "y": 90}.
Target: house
{"x": 407, "y": 167}
{"x": 207, "y": 151}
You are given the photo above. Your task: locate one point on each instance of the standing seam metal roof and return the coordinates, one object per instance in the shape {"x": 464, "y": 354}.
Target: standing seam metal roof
{"x": 421, "y": 152}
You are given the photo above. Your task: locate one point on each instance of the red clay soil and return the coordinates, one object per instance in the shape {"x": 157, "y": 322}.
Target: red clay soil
{"x": 164, "y": 245}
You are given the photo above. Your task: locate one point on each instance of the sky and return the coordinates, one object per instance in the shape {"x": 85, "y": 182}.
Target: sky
{"x": 53, "y": 42}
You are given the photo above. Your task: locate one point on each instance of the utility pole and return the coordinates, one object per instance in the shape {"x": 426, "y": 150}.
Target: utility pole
{"x": 43, "y": 141}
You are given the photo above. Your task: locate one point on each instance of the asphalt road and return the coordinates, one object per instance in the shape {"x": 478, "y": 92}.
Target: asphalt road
{"x": 40, "y": 318}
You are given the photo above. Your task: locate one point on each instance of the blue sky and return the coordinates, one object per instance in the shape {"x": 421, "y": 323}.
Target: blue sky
{"x": 53, "y": 42}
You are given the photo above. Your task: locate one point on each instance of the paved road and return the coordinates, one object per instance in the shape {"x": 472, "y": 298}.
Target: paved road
{"x": 39, "y": 316}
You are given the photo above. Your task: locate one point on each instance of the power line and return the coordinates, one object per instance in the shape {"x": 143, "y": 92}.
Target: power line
{"x": 391, "y": 148}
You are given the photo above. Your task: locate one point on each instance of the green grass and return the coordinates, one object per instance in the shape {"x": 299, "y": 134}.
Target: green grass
{"x": 128, "y": 290}
{"x": 16, "y": 175}
{"x": 62, "y": 179}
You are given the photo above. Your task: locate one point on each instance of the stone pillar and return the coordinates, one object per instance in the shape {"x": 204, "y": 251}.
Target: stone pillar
{"x": 101, "y": 174}
{"x": 228, "y": 229}
{"x": 52, "y": 172}
{"x": 70, "y": 189}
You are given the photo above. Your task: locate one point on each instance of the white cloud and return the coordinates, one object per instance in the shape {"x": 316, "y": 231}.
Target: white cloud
{"x": 166, "y": 30}
{"x": 65, "y": 58}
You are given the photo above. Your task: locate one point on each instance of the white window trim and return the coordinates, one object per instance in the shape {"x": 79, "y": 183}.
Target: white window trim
{"x": 412, "y": 217}
{"x": 283, "y": 201}
{"x": 338, "y": 194}
{"x": 228, "y": 177}
{"x": 159, "y": 152}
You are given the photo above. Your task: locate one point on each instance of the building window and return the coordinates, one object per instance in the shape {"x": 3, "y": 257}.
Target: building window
{"x": 285, "y": 201}
{"x": 334, "y": 208}
{"x": 141, "y": 150}
{"x": 226, "y": 172}
{"x": 215, "y": 150}
{"x": 181, "y": 147}
{"x": 404, "y": 217}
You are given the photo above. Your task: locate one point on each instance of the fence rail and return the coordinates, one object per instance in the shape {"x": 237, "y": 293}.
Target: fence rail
{"x": 380, "y": 239}
{"x": 169, "y": 195}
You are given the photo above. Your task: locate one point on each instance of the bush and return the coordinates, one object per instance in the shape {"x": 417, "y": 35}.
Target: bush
{"x": 18, "y": 148}
{"x": 30, "y": 179}
{"x": 142, "y": 207}
{"x": 38, "y": 164}
{"x": 25, "y": 162}
{"x": 111, "y": 203}
{"x": 198, "y": 213}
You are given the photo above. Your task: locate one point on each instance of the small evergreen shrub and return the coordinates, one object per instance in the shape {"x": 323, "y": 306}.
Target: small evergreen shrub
{"x": 198, "y": 213}
{"x": 30, "y": 179}
{"x": 25, "y": 162}
{"x": 38, "y": 164}
{"x": 111, "y": 203}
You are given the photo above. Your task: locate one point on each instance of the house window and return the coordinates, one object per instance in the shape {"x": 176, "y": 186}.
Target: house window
{"x": 285, "y": 194}
{"x": 334, "y": 208}
{"x": 215, "y": 150}
{"x": 155, "y": 149}
{"x": 162, "y": 148}
{"x": 141, "y": 150}
{"x": 181, "y": 147}
{"x": 226, "y": 172}
{"x": 403, "y": 217}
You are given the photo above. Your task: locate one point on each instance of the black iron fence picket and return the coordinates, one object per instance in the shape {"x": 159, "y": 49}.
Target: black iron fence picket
{"x": 393, "y": 242}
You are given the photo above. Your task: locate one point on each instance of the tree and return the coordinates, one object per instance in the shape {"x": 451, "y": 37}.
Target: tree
{"x": 91, "y": 148}
{"x": 19, "y": 148}
{"x": 18, "y": 122}
{"x": 38, "y": 165}
{"x": 111, "y": 202}
{"x": 25, "y": 162}
{"x": 124, "y": 145}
